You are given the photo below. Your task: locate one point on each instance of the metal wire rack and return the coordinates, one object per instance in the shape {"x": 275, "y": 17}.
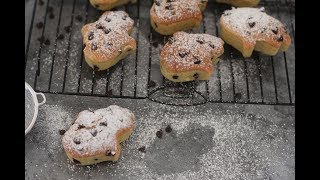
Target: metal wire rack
{"x": 54, "y": 61}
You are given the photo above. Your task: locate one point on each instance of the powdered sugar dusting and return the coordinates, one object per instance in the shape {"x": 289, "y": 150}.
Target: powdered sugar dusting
{"x": 106, "y": 36}
{"x": 95, "y": 131}
{"x": 185, "y": 51}
{"x": 252, "y": 23}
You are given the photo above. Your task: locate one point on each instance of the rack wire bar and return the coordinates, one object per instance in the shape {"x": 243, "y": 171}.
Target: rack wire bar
{"x": 56, "y": 64}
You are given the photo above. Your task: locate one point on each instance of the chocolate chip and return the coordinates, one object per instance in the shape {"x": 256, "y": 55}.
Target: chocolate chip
{"x": 107, "y": 30}
{"x": 81, "y": 126}
{"x": 171, "y": 40}
{"x": 168, "y": 1}
{"x": 94, "y": 47}
{"x": 95, "y": 68}
{"x": 79, "y": 18}
{"x": 173, "y": 13}
{"x": 169, "y": 7}
{"x": 250, "y": 17}
{"x": 51, "y": 15}
{"x": 76, "y": 140}
{"x": 124, "y": 17}
{"x": 62, "y": 131}
{"x": 183, "y": 54}
{"x": 50, "y": 9}
{"x": 275, "y": 31}
{"x": 280, "y": 39}
{"x": 152, "y": 84}
{"x": 41, "y": 2}
{"x": 104, "y": 123}
{"x": 60, "y": 37}
{"x": 159, "y": 133}
{"x": 175, "y": 77}
{"x": 90, "y": 36}
{"x": 157, "y": 2}
{"x": 168, "y": 129}
{"x": 110, "y": 153}
{"x": 41, "y": 39}
{"x": 211, "y": 45}
{"x": 226, "y": 14}
{"x": 238, "y": 96}
{"x": 263, "y": 30}
{"x": 252, "y": 24}
{"x": 197, "y": 61}
{"x": 67, "y": 29}
{"x": 201, "y": 41}
{"x": 196, "y": 76}
{"x": 39, "y": 25}
{"x": 108, "y": 19}
{"x": 76, "y": 161}
{"x": 47, "y": 42}
{"x": 99, "y": 26}
{"x": 142, "y": 149}
{"x": 94, "y": 132}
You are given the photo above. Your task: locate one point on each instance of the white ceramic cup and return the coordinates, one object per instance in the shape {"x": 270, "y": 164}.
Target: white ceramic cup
{"x": 36, "y": 105}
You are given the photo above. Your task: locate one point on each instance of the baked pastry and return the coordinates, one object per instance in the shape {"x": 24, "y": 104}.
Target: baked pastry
{"x": 108, "y": 40}
{"x": 109, "y": 4}
{"x": 248, "y": 29}
{"x": 170, "y": 16}
{"x": 240, "y": 3}
{"x": 96, "y": 135}
{"x": 188, "y": 57}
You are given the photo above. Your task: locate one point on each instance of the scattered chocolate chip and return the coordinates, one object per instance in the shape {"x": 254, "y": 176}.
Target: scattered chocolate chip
{"x": 175, "y": 77}
{"x": 168, "y": 1}
{"x": 196, "y": 76}
{"x": 79, "y": 18}
{"x": 51, "y": 15}
{"x": 159, "y": 133}
{"x": 248, "y": 32}
{"x": 41, "y": 2}
{"x": 110, "y": 92}
{"x": 201, "y": 41}
{"x": 47, "y": 42}
{"x": 41, "y": 39}
{"x": 104, "y": 123}
{"x": 50, "y": 9}
{"x": 250, "y": 17}
{"x": 173, "y": 13}
{"x": 124, "y": 17}
{"x": 95, "y": 68}
{"x": 169, "y": 7}
{"x": 142, "y": 149}
{"x": 157, "y": 2}
{"x": 280, "y": 39}
{"x": 94, "y": 132}
{"x": 183, "y": 54}
{"x": 67, "y": 29}
{"x": 238, "y": 96}
{"x": 110, "y": 153}
{"x": 226, "y": 13}
{"x": 168, "y": 129}
{"x": 90, "y": 36}
{"x": 39, "y": 25}
{"x": 152, "y": 84}
{"x": 171, "y": 40}
{"x": 76, "y": 161}
{"x": 211, "y": 45}
{"x": 62, "y": 131}
{"x": 263, "y": 30}
{"x": 60, "y": 37}
{"x": 94, "y": 47}
{"x": 107, "y": 30}
{"x": 76, "y": 140}
{"x": 252, "y": 24}
{"x": 81, "y": 126}
{"x": 108, "y": 19}
{"x": 197, "y": 61}
{"x": 275, "y": 31}
{"x": 99, "y": 26}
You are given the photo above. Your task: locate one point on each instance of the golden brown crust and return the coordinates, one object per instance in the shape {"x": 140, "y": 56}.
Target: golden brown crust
{"x": 105, "y": 5}
{"x": 248, "y": 29}
{"x": 108, "y": 41}
{"x": 187, "y": 57}
{"x": 169, "y": 17}
{"x": 240, "y": 3}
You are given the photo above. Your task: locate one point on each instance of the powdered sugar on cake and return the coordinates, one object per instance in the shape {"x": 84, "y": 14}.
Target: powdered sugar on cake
{"x": 184, "y": 51}
{"x": 106, "y": 36}
{"x": 252, "y": 24}
{"x": 95, "y": 131}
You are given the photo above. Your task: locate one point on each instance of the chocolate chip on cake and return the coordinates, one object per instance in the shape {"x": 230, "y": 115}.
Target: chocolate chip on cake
{"x": 275, "y": 31}
{"x": 107, "y": 30}
{"x": 169, "y": 7}
{"x": 60, "y": 37}
{"x": 183, "y": 54}
{"x": 175, "y": 77}
{"x": 108, "y": 19}
{"x": 168, "y": 129}
{"x": 200, "y": 41}
{"x": 142, "y": 149}
{"x": 197, "y": 61}
{"x": 252, "y": 24}
{"x": 104, "y": 123}
{"x": 171, "y": 1}
{"x": 81, "y": 126}
{"x": 171, "y": 40}
{"x": 90, "y": 36}
{"x": 79, "y": 18}
{"x": 94, "y": 132}
{"x": 62, "y": 131}
{"x": 196, "y": 76}
{"x": 94, "y": 46}
{"x": 280, "y": 39}
{"x": 157, "y": 2}
{"x": 39, "y": 25}
{"x": 124, "y": 17}
{"x": 159, "y": 133}
{"x": 211, "y": 45}
{"x": 76, "y": 140}
{"x": 110, "y": 153}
